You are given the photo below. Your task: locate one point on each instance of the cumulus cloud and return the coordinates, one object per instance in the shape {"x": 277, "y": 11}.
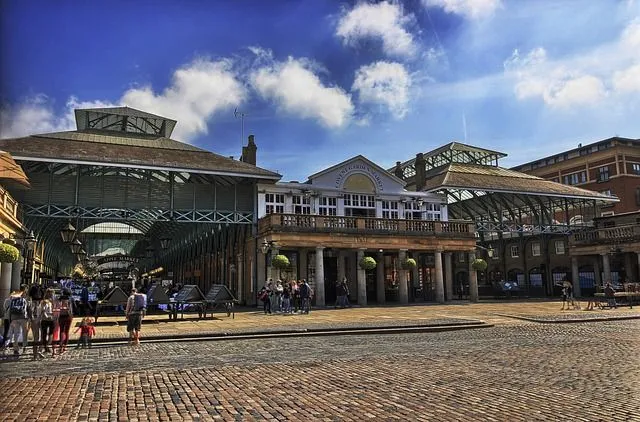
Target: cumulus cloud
{"x": 471, "y": 9}
{"x": 386, "y": 84}
{"x": 297, "y": 90}
{"x": 382, "y": 21}
{"x": 198, "y": 90}
{"x": 583, "y": 80}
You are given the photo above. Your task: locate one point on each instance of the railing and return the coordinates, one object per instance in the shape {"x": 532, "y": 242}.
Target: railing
{"x": 606, "y": 235}
{"x": 9, "y": 206}
{"x": 325, "y": 223}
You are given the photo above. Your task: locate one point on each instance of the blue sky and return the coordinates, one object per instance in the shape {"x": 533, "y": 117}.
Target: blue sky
{"x": 321, "y": 80}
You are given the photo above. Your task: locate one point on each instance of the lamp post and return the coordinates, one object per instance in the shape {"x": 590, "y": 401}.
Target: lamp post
{"x": 67, "y": 233}
{"x": 27, "y": 246}
{"x": 266, "y": 247}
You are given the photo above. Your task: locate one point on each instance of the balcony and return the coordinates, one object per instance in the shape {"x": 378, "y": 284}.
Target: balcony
{"x": 364, "y": 225}
{"x": 10, "y": 211}
{"x": 610, "y": 235}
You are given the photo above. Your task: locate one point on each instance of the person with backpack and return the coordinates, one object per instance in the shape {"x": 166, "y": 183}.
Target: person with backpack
{"x": 16, "y": 308}
{"x": 136, "y": 307}
{"x": 35, "y": 295}
{"x": 305, "y": 297}
{"x": 64, "y": 312}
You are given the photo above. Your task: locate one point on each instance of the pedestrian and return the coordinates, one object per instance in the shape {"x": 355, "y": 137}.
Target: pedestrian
{"x": 264, "y": 296}
{"x": 136, "y": 307}
{"x": 87, "y": 331}
{"x": 460, "y": 290}
{"x": 35, "y": 296}
{"x": 16, "y": 307}
{"x": 64, "y": 312}
{"x": 47, "y": 321}
{"x": 286, "y": 300}
{"x": 340, "y": 294}
{"x": 295, "y": 289}
{"x": 305, "y": 296}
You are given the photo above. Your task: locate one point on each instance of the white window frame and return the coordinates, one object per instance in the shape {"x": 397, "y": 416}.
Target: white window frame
{"x": 328, "y": 205}
{"x": 301, "y": 204}
{"x": 603, "y": 174}
{"x": 515, "y": 251}
{"x": 535, "y": 249}
{"x": 559, "y": 246}
{"x": 434, "y": 212}
{"x": 635, "y": 168}
{"x": 274, "y": 203}
{"x": 413, "y": 211}
{"x": 390, "y": 209}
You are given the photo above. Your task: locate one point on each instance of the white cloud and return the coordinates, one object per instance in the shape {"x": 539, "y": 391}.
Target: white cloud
{"x": 297, "y": 90}
{"x": 198, "y": 90}
{"x": 628, "y": 80}
{"x": 384, "y": 83}
{"x": 384, "y": 21}
{"x": 471, "y": 9}
{"x": 583, "y": 80}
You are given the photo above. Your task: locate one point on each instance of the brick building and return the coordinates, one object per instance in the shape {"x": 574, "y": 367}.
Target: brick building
{"x": 610, "y": 166}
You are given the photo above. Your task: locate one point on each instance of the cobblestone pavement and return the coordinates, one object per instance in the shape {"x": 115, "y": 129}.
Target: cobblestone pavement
{"x": 521, "y": 371}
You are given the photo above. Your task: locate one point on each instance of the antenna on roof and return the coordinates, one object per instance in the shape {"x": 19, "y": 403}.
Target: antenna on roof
{"x": 464, "y": 126}
{"x": 240, "y": 115}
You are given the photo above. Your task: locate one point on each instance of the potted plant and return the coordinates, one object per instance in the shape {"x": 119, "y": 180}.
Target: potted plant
{"x": 8, "y": 253}
{"x": 280, "y": 262}
{"x": 367, "y": 263}
{"x": 408, "y": 264}
{"x": 479, "y": 264}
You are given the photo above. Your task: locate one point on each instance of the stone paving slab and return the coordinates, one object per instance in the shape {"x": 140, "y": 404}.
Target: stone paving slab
{"x": 514, "y": 372}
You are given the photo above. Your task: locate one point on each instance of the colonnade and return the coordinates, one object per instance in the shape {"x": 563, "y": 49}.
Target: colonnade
{"x": 600, "y": 271}
{"x": 10, "y": 278}
{"x": 443, "y": 277}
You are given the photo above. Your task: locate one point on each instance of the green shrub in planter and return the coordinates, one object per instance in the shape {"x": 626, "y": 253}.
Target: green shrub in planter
{"x": 479, "y": 264}
{"x": 368, "y": 263}
{"x": 409, "y": 264}
{"x": 280, "y": 261}
{"x": 8, "y": 253}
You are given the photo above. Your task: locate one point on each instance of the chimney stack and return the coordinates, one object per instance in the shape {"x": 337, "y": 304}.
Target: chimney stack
{"x": 249, "y": 151}
{"x": 398, "y": 170}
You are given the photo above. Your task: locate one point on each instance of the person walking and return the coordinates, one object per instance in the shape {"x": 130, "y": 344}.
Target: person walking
{"x": 135, "y": 310}
{"x": 35, "y": 296}
{"x": 16, "y": 307}
{"x": 47, "y": 321}
{"x": 264, "y": 296}
{"x": 87, "y": 331}
{"x": 305, "y": 296}
{"x": 64, "y": 312}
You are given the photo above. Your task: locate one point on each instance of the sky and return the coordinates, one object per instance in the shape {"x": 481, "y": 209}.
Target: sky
{"x": 320, "y": 81}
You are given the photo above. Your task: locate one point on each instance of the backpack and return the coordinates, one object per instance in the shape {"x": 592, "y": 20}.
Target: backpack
{"x": 18, "y": 308}
{"x": 139, "y": 304}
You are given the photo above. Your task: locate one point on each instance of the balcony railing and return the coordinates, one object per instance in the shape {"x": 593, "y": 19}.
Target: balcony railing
{"x": 608, "y": 235}
{"x": 325, "y": 223}
{"x": 9, "y": 206}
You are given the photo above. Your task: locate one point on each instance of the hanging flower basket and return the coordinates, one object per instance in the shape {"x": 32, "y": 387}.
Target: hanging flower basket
{"x": 408, "y": 264}
{"x": 479, "y": 264}
{"x": 280, "y": 262}
{"x": 367, "y": 263}
{"x": 8, "y": 253}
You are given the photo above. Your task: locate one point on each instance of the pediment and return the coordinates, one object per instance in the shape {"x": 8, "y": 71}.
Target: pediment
{"x": 357, "y": 174}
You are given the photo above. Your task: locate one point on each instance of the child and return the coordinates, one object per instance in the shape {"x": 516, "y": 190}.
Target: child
{"x": 87, "y": 331}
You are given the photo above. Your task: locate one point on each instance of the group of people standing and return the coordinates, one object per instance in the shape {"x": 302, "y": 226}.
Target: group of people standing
{"x": 287, "y": 298}
{"x": 36, "y": 310}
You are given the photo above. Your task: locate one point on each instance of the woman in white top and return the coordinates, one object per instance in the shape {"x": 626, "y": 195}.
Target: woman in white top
{"x": 47, "y": 320}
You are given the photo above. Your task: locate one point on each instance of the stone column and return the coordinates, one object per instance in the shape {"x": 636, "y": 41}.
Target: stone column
{"x": 473, "y": 279}
{"x": 597, "y": 275}
{"x": 403, "y": 290}
{"x": 5, "y": 281}
{"x": 448, "y": 275}
{"x": 16, "y": 273}
{"x": 304, "y": 267}
{"x": 320, "y": 276}
{"x": 380, "y": 293}
{"x": 240, "y": 277}
{"x": 575, "y": 276}
{"x": 439, "y": 277}
{"x": 638, "y": 279}
{"x": 362, "y": 280}
{"x": 606, "y": 268}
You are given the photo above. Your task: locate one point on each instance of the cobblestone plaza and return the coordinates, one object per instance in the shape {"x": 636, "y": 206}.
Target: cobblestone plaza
{"x": 514, "y": 370}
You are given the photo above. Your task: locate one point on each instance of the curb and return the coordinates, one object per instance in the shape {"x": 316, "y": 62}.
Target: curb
{"x": 570, "y": 321}
{"x": 319, "y": 332}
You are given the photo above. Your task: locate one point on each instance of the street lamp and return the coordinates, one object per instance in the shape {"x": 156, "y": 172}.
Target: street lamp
{"x": 68, "y": 233}
{"x": 490, "y": 251}
{"x": 164, "y": 242}
{"x": 76, "y": 246}
{"x": 149, "y": 252}
{"x": 267, "y": 245}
